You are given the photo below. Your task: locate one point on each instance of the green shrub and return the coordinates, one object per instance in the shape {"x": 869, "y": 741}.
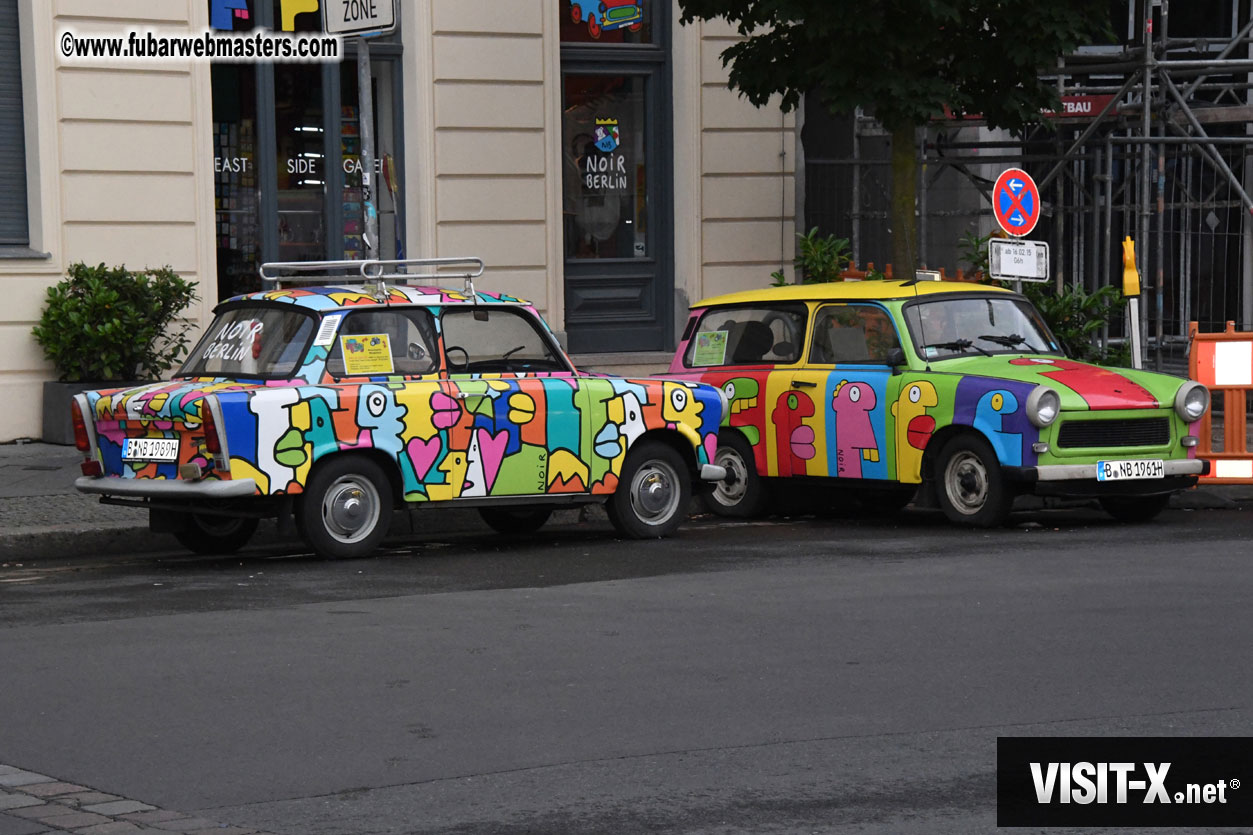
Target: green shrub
{"x": 1076, "y": 318}
{"x": 820, "y": 259}
{"x": 107, "y": 325}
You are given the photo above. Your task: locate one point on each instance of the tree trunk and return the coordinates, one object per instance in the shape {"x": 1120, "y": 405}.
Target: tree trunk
{"x": 904, "y": 220}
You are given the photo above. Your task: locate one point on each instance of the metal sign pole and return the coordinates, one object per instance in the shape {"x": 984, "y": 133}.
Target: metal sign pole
{"x": 365, "y": 95}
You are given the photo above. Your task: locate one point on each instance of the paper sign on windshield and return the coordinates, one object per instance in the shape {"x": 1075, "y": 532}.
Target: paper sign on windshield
{"x": 366, "y": 353}
{"x": 711, "y": 348}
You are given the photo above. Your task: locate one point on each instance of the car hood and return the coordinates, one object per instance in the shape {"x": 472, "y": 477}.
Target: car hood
{"x": 177, "y": 400}
{"x": 1080, "y": 385}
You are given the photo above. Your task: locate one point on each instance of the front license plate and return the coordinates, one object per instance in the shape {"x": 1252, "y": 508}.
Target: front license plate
{"x": 1126, "y": 470}
{"x": 150, "y": 449}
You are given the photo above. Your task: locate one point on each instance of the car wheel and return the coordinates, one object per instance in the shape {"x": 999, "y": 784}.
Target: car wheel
{"x": 742, "y": 493}
{"x": 346, "y": 507}
{"x": 208, "y": 534}
{"x": 653, "y": 493}
{"x": 515, "y": 520}
{"x": 1135, "y": 508}
{"x": 576, "y": 12}
{"x": 971, "y": 488}
{"x": 593, "y": 26}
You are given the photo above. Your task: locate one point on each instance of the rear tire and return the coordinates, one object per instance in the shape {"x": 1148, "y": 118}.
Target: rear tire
{"x": 742, "y": 494}
{"x": 1135, "y": 509}
{"x": 970, "y": 485}
{"x": 516, "y": 520}
{"x": 346, "y": 508}
{"x": 654, "y": 491}
{"x": 206, "y": 534}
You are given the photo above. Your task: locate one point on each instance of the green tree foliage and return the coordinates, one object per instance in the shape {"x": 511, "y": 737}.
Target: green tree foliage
{"x": 905, "y": 61}
{"x": 109, "y": 324}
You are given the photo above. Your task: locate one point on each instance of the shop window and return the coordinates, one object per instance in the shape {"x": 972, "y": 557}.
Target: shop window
{"x": 301, "y": 161}
{"x": 606, "y": 21}
{"x": 235, "y": 177}
{"x": 14, "y": 228}
{"x": 603, "y": 132}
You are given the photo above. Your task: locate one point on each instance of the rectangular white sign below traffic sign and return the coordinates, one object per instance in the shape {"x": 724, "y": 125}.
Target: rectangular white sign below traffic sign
{"x": 358, "y": 17}
{"x": 1018, "y": 260}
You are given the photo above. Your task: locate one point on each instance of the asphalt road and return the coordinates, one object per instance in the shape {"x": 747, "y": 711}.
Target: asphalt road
{"x": 808, "y": 675}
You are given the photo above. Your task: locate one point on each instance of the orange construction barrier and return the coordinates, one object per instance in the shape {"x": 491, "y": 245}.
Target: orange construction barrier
{"x": 1223, "y": 363}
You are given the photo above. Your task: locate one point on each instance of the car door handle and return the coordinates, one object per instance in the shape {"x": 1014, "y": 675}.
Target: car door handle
{"x": 803, "y": 384}
{"x": 466, "y": 395}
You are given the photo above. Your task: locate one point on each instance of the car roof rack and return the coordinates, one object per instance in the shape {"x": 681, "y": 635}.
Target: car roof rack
{"x": 372, "y": 271}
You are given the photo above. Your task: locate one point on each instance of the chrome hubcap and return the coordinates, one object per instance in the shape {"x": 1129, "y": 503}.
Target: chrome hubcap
{"x": 655, "y": 492}
{"x": 730, "y": 491}
{"x": 966, "y": 482}
{"x": 350, "y": 508}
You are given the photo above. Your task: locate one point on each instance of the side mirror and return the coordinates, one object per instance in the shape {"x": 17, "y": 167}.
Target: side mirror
{"x": 896, "y": 358}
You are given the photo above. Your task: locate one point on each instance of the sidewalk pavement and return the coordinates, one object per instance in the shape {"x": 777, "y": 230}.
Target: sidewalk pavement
{"x": 42, "y": 516}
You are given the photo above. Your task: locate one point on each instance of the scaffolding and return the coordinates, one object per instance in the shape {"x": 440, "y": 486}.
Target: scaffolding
{"x": 1152, "y": 142}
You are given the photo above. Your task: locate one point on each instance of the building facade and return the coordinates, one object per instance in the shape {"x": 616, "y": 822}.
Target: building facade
{"x": 594, "y": 159}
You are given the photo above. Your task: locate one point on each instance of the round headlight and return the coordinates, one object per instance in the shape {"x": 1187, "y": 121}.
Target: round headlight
{"x": 1191, "y": 401}
{"x": 1043, "y": 406}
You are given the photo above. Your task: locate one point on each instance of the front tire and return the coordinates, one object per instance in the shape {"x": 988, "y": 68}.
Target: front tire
{"x": 516, "y": 520}
{"x": 741, "y": 494}
{"x": 971, "y": 487}
{"x": 346, "y": 507}
{"x": 206, "y": 534}
{"x": 653, "y": 493}
{"x": 1135, "y": 509}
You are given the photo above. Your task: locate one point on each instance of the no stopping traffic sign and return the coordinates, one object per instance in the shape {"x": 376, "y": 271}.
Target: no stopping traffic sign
{"x": 1016, "y": 202}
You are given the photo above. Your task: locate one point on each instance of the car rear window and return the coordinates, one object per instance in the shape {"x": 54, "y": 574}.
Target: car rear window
{"x": 747, "y": 335}
{"x": 252, "y": 341}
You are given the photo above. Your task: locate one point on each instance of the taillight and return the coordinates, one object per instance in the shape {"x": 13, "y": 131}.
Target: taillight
{"x": 81, "y": 442}
{"x": 211, "y": 440}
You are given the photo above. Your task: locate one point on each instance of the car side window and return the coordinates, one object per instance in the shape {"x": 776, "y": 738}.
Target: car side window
{"x": 499, "y": 340}
{"x": 397, "y": 341}
{"x": 747, "y": 335}
{"x": 852, "y": 334}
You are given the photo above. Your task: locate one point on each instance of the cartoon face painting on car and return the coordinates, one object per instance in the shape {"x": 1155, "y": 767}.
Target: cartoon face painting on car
{"x": 884, "y": 386}
{"x": 335, "y": 404}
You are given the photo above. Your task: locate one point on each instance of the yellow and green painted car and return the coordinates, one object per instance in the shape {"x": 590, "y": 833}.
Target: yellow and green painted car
{"x": 961, "y": 389}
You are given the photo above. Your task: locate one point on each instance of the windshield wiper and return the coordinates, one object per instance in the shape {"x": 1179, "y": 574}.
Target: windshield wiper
{"x": 959, "y": 345}
{"x": 1010, "y": 341}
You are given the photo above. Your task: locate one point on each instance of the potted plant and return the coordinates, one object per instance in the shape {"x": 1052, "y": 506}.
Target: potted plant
{"x": 109, "y": 327}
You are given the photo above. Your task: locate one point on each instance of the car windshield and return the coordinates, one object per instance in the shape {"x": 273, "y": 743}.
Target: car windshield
{"x": 251, "y": 342}
{"x": 942, "y": 328}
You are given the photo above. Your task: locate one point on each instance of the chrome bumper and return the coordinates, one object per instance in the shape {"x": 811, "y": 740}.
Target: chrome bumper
{"x": 1081, "y": 472}
{"x": 712, "y": 472}
{"x": 159, "y": 488}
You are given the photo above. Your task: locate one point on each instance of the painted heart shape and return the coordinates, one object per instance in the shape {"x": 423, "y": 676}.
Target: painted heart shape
{"x": 492, "y": 452}
{"x": 423, "y": 454}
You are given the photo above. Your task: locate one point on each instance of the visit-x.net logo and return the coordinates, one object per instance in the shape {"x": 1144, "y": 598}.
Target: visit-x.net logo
{"x": 1124, "y": 781}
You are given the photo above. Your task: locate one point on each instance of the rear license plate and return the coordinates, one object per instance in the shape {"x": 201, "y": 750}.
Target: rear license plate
{"x": 1127, "y": 470}
{"x": 150, "y": 449}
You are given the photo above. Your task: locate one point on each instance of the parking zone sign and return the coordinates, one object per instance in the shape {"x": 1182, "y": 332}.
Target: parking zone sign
{"x": 358, "y": 17}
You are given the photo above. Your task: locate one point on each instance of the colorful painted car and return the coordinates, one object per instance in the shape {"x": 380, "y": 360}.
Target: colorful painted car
{"x": 329, "y": 406}
{"x": 883, "y": 386}
{"x": 606, "y": 15}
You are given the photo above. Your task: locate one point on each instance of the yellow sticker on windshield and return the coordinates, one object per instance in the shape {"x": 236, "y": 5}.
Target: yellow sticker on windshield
{"x": 366, "y": 353}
